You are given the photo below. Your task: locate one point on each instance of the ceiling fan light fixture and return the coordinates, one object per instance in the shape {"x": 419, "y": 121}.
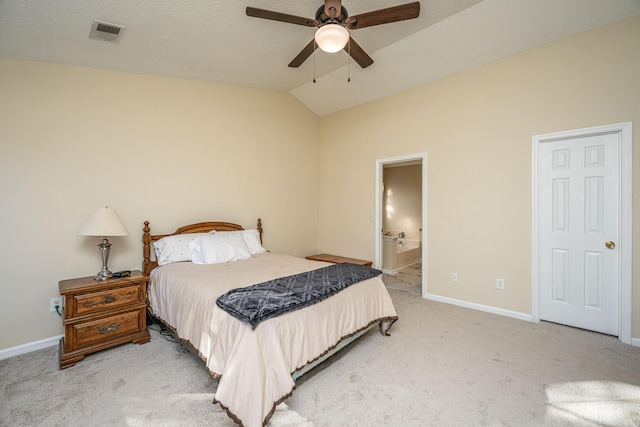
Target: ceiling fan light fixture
{"x": 332, "y": 38}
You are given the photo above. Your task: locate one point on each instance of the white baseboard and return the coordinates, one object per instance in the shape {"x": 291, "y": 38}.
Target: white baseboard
{"x": 29, "y": 347}
{"x": 494, "y": 310}
{"x": 479, "y": 307}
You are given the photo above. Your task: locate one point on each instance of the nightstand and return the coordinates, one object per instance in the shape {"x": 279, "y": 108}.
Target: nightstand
{"x": 101, "y": 314}
{"x": 336, "y": 259}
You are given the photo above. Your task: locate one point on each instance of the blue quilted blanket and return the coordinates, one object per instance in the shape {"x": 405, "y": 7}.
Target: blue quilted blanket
{"x": 263, "y": 301}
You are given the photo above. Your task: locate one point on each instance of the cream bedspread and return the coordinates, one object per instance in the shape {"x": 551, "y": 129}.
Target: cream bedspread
{"x": 254, "y": 366}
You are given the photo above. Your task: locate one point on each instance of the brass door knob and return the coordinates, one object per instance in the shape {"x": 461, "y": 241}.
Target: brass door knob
{"x": 610, "y": 244}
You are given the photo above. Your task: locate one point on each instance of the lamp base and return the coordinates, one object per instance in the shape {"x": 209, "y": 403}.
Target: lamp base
{"x": 104, "y": 274}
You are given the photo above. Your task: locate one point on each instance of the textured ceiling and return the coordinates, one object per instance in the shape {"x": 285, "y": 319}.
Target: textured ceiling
{"x": 215, "y": 41}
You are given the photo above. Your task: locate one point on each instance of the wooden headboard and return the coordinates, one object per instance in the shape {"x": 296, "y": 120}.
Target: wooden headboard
{"x": 202, "y": 227}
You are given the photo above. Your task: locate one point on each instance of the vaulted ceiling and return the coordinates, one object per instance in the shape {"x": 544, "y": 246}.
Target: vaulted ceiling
{"x": 215, "y": 41}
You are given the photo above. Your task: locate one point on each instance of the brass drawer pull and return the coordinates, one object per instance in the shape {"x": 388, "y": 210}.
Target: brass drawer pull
{"x": 109, "y": 329}
{"x": 109, "y": 299}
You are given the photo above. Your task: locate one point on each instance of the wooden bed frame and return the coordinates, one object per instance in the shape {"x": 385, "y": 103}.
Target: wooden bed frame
{"x": 149, "y": 264}
{"x": 204, "y": 227}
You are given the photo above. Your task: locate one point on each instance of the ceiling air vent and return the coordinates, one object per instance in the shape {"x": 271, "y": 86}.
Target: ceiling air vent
{"x": 106, "y": 31}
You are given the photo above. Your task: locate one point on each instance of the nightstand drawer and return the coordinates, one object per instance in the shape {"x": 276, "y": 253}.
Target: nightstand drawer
{"x": 108, "y": 328}
{"x": 106, "y": 300}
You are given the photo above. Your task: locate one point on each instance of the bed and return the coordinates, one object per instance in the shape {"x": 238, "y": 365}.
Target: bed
{"x": 256, "y": 366}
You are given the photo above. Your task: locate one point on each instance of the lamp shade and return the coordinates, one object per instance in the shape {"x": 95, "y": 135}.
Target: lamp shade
{"x": 332, "y": 37}
{"x": 104, "y": 222}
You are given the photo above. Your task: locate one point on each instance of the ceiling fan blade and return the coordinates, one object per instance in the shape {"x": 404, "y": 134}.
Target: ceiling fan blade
{"x": 282, "y": 17}
{"x": 384, "y": 16}
{"x": 358, "y": 54}
{"x": 303, "y": 55}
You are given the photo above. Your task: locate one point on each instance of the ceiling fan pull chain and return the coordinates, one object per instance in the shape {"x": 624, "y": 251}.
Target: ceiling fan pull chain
{"x": 314, "y": 61}
{"x": 349, "y": 62}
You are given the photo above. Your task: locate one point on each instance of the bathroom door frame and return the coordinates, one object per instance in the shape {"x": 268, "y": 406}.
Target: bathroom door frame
{"x": 380, "y": 164}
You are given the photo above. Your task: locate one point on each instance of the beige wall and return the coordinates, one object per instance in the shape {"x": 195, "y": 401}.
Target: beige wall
{"x": 73, "y": 139}
{"x": 476, "y": 128}
{"x": 169, "y": 151}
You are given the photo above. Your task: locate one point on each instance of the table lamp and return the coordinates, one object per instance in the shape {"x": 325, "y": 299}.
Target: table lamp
{"x": 104, "y": 222}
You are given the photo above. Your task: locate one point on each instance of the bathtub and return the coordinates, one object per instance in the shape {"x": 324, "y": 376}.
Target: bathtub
{"x": 398, "y": 253}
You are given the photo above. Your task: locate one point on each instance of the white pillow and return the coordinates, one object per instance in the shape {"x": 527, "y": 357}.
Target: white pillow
{"x": 174, "y": 248}
{"x": 251, "y": 238}
{"x": 218, "y": 248}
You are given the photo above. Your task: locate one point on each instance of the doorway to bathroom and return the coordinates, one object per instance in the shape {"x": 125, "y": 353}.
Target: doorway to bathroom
{"x": 401, "y": 226}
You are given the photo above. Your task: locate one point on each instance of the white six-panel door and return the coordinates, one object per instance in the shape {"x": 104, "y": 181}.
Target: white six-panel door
{"x": 579, "y": 215}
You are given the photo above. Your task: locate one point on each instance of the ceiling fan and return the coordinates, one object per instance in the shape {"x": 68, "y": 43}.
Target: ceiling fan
{"x": 333, "y": 22}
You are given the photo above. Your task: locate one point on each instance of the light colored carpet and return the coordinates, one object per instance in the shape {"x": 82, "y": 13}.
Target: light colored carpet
{"x": 443, "y": 365}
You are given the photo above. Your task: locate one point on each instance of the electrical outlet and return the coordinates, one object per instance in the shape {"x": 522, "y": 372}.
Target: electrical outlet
{"x": 454, "y": 277}
{"x": 55, "y": 301}
{"x": 500, "y": 283}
